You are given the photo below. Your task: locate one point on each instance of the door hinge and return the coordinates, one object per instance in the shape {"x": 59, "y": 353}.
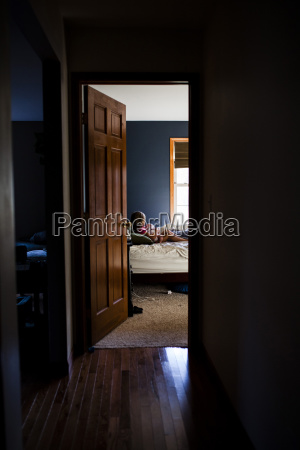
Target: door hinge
{"x": 84, "y": 118}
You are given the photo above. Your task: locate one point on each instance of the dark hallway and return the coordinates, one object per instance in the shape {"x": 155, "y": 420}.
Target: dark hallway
{"x": 244, "y": 57}
{"x": 133, "y": 398}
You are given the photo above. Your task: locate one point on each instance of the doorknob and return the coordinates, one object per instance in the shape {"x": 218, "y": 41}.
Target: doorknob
{"x": 126, "y": 224}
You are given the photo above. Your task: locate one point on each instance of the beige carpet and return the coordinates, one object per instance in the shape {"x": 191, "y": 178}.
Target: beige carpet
{"x": 163, "y": 323}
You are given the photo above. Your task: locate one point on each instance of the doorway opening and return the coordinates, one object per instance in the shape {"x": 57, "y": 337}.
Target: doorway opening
{"x": 39, "y": 193}
{"x": 29, "y": 199}
{"x": 81, "y": 284}
{"x": 153, "y": 113}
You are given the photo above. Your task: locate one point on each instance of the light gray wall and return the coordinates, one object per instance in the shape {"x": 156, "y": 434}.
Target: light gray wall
{"x": 251, "y": 169}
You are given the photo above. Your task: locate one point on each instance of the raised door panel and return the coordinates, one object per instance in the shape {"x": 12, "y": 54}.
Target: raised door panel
{"x": 118, "y": 292}
{"x": 100, "y": 177}
{"x": 102, "y": 276}
{"x": 116, "y": 124}
{"x": 100, "y": 118}
{"x": 116, "y": 177}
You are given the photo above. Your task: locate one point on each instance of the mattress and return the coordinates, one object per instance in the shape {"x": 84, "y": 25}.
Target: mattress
{"x": 30, "y": 252}
{"x": 168, "y": 257}
{"x": 37, "y": 255}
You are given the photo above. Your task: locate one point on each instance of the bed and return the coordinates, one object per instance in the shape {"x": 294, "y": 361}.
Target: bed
{"x": 33, "y": 249}
{"x": 160, "y": 262}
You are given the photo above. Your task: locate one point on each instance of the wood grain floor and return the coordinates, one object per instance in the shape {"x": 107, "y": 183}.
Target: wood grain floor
{"x": 142, "y": 398}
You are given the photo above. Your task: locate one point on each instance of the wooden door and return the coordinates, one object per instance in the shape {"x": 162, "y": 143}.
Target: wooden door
{"x": 106, "y": 200}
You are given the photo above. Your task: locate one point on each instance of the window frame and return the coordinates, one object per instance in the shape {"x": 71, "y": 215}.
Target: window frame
{"x": 172, "y": 148}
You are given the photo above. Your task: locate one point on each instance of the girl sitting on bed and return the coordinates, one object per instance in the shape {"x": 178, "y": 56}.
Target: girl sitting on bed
{"x": 139, "y": 225}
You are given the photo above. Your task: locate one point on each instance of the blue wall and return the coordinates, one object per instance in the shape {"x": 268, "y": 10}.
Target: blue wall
{"x": 148, "y": 165}
{"x": 27, "y": 119}
{"x": 29, "y": 180}
{"x": 26, "y": 79}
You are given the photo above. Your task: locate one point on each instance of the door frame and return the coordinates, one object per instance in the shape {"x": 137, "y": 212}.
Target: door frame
{"x": 80, "y": 285}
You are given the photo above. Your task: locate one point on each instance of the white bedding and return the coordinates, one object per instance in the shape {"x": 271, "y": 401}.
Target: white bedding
{"x": 159, "y": 258}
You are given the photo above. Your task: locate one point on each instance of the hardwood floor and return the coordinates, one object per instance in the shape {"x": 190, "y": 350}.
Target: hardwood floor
{"x": 141, "y": 398}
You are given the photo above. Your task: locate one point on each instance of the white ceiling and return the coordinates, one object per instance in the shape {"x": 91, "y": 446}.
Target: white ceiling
{"x": 150, "y": 102}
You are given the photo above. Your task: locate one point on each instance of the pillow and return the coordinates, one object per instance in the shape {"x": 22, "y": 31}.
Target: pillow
{"x": 39, "y": 238}
{"x": 140, "y": 239}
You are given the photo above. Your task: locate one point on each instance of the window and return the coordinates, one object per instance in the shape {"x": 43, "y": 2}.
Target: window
{"x": 179, "y": 180}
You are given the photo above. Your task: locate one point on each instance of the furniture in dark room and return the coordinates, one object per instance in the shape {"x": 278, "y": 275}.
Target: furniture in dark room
{"x": 32, "y": 307}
